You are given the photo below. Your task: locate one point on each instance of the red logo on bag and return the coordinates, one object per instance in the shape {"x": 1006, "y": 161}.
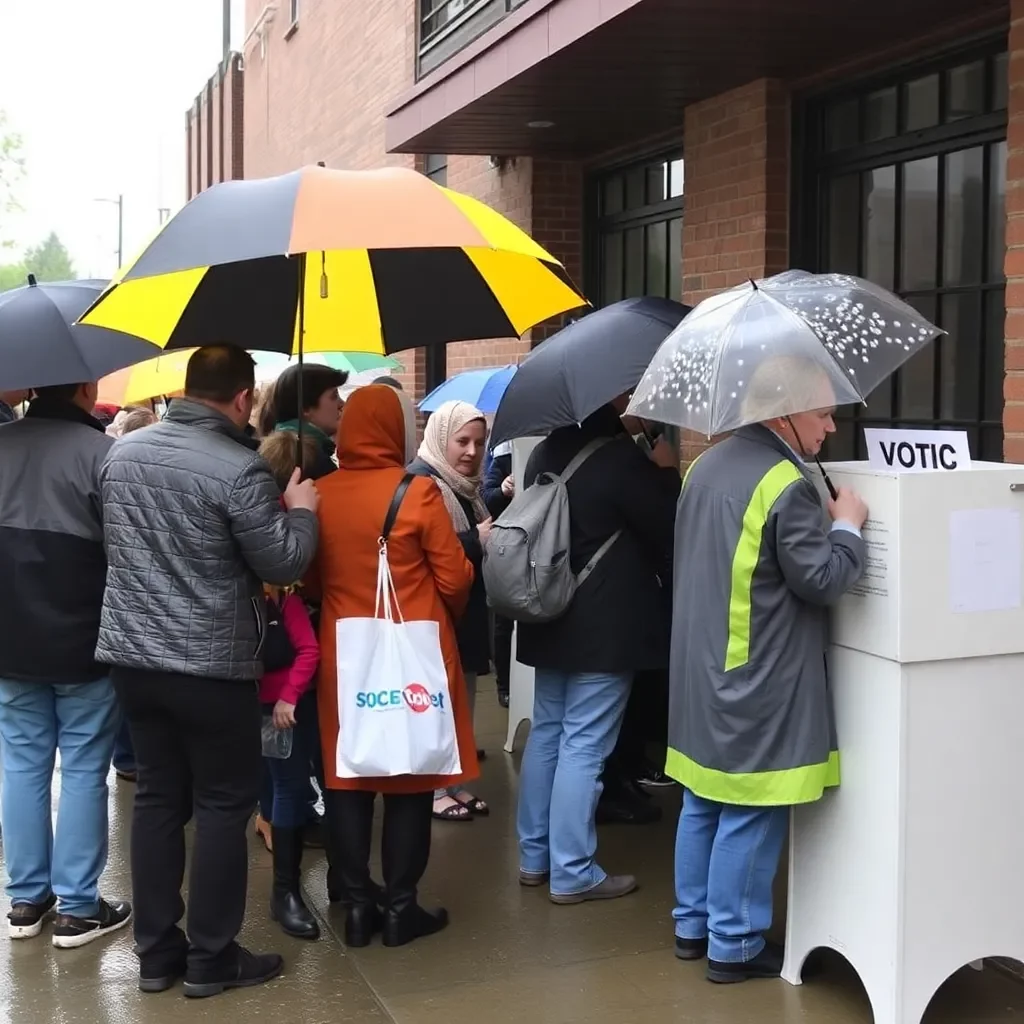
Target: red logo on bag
{"x": 417, "y": 697}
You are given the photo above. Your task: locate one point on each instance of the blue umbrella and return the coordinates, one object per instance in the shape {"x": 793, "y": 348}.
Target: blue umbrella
{"x": 482, "y": 388}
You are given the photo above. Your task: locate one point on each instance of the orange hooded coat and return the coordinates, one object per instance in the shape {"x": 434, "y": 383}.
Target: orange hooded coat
{"x": 432, "y": 575}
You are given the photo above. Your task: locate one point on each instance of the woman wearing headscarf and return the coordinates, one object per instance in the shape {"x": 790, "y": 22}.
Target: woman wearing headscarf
{"x": 452, "y": 454}
{"x": 432, "y": 580}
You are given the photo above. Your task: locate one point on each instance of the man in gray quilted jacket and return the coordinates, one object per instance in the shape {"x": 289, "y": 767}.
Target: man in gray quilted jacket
{"x": 194, "y": 524}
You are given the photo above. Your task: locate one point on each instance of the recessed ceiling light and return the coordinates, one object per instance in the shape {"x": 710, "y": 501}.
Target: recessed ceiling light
{"x": 540, "y": 124}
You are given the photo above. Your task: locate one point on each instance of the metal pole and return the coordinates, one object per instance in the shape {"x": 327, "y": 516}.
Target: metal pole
{"x": 120, "y": 230}
{"x": 226, "y": 26}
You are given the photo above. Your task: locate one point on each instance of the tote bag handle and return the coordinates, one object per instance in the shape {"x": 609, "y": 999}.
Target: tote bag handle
{"x": 387, "y": 599}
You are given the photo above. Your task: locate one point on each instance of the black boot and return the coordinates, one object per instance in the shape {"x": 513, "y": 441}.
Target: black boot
{"x": 286, "y": 903}
{"x": 350, "y": 827}
{"x": 405, "y": 852}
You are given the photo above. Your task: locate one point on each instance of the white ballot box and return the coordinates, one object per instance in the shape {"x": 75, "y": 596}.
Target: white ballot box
{"x": 914, "y": 867}
{"x": 520, "y": 677}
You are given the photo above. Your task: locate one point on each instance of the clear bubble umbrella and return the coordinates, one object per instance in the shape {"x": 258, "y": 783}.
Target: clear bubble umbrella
{"x": 777, "y": 347}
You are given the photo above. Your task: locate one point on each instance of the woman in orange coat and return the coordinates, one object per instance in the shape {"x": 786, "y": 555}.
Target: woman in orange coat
{"x": 432, "y": 579}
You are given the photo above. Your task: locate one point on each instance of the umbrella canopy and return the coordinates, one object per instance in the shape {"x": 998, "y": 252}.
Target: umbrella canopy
{"x": 270, "y": 365}
{"x": 41, "y": 346}
{"x": 374, "y": 261}
{"x": 784, "y": 345}
{"x": 162, "y": 375}
{"x": 584, "y": 366}
{"x": 482, "y": 388}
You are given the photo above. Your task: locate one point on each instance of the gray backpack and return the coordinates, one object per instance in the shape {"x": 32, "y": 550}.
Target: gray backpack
{"x": 526, "y": 570}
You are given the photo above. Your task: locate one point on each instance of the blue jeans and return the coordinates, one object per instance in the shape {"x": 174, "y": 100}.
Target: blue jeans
{"x": 576, "y": 720}
{"x": 726, "y": 859}
{"x": 290, "y": 775}
{"x": 36, "y": 720}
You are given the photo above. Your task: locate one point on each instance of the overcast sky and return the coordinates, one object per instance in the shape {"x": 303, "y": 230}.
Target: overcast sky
{"x": 98, "y": 90}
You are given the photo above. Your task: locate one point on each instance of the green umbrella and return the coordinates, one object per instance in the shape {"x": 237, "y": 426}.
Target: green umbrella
{"x": 269, "y": 365}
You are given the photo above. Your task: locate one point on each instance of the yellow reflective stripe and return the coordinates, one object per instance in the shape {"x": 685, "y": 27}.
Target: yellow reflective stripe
{"x": 779, "y": 788}
{"x": 745, "y": 558}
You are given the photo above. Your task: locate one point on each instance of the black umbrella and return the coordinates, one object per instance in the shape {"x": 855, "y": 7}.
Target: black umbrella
{"x": 584, "y": 366}
{"x": 41, "y": 346}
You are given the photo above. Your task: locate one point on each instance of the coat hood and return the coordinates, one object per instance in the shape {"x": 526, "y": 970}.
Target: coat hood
{"x": 377, "y": 429}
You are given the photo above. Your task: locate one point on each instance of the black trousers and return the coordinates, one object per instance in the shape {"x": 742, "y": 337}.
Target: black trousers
{"x": 198, "y": 751}
{"x": 502, "y": 651}
{"x": 644, "y": 725}
{"x": 405, "y": 843}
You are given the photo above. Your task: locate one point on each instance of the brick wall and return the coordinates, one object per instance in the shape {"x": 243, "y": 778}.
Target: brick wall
{"x": 736, "y": 203}
{"x": 1013, "y": 386}
{"x": 213, "y": 129}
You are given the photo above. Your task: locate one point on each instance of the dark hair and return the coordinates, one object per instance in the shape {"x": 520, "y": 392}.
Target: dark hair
{"x": 217, "y": 373}
{"x": 58, "y": 392}
{"x": 396, "y": 384}
{"x": 316, "y": 379}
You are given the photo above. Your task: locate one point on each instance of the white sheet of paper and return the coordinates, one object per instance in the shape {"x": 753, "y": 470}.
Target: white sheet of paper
{"x": 984, "y": 560}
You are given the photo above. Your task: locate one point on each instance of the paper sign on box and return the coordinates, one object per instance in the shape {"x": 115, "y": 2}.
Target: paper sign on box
{"x": 917, "y": 451}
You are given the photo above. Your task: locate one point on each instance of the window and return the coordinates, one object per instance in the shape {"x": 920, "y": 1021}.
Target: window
{"x": 446, "y": 26}
{"x": 908, "y": 189}
{"x": 639, "y": 231}
{"x": 435, "y": 167}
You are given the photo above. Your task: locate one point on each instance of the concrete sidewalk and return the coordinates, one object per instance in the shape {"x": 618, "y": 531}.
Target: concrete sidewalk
{"x": 508, "y": 956}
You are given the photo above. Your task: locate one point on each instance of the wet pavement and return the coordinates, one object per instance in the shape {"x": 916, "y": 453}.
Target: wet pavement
{"x": 508, "y": 956}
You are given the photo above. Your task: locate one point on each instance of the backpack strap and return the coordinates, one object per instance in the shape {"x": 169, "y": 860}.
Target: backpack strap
{"x": 581, "y": 456}
{"x": 396, "y": 504}
{"x": 598, "y": 555}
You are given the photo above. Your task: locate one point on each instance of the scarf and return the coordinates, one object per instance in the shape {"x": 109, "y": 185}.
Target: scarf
{"x": 448, "y": 420}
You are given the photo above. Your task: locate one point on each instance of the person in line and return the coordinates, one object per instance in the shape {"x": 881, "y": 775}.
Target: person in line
{"x": 124, "y": 755}
{"x": 54, "y": 697}
{"x": 499, "y": 488}
{"x": 585, "y": 660}
{"x": 291, "y": 656}
{"x": 9, "y": 400}
{"x": 194, "y": 524}
{"x": 320, "y": 412}
{"x": 451, "y": 454}
{"x": 751, "y": 730}
{"x": 432, "y": 579}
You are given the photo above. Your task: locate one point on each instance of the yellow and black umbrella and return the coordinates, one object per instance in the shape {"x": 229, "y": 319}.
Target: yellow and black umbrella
{"x": 371, "y": 261}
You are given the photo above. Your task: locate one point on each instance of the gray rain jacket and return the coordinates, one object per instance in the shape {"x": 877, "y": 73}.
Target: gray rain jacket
{"x": 193, "y": 522}
{"x": 750, "y": 713}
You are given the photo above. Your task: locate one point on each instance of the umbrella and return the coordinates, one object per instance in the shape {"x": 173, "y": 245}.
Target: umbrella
{"x": 322, "y": 260}
{"x": 270, "y": 365}
{"x": 482, "y": 388}
{"x": 584, "y": 366}
{"x": 162, "y": 375}
{"x": 41, "y": 346}
{"x": 784, "y": 345}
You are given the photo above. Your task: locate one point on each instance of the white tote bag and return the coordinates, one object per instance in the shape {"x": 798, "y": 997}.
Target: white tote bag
{"x": 394, "y": 705}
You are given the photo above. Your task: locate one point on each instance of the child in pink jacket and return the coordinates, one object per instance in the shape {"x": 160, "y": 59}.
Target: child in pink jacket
{"x": 291, "y": 658}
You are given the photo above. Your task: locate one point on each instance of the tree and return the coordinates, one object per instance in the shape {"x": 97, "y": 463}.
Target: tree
{"x": 50, "y": 260}
{"x": 12, "y": 170}
{"x": 12, "y": 275}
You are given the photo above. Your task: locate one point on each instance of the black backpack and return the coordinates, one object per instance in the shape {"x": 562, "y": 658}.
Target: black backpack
{"x": 278, "y": 649}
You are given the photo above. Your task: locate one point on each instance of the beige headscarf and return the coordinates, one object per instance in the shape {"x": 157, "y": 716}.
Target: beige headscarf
{"x": 447, "y": 420}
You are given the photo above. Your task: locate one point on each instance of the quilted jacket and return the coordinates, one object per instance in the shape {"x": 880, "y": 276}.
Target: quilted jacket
{"x": 193, "y": 524}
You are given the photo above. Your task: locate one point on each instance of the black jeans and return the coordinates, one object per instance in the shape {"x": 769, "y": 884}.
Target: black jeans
{"x": 502, "y": 651}
{"x": 197, "y": 750}
{"x": 645, "y": 725}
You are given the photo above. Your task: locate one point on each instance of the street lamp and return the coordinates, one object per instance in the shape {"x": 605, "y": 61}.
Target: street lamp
{"x": 119, "y": 203}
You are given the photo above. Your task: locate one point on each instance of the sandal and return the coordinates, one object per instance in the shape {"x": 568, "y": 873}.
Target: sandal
{"x": 473, "y": 804}
{"x": 455, "y": 811}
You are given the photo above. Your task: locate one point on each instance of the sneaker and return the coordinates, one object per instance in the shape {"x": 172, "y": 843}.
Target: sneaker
{"x": 70, "y": 932}
{"x": 248, "y": 969}
{"x": 654, "y": 778}
{"x": 25, "y": 920}
{"x": 767, "y": 964}
{"x": 611, "y": 888}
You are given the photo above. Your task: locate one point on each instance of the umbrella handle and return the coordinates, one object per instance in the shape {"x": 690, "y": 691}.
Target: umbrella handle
{"x": 833, "y": 493}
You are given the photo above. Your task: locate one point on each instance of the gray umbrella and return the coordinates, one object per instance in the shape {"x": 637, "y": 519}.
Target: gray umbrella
{"x": 42, "y": 346}
{"x": 584, "y": 366}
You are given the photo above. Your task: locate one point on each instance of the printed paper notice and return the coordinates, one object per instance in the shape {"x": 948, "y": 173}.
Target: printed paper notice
{"x": 875, "y": 581}
{"x": 984, "y": 560}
